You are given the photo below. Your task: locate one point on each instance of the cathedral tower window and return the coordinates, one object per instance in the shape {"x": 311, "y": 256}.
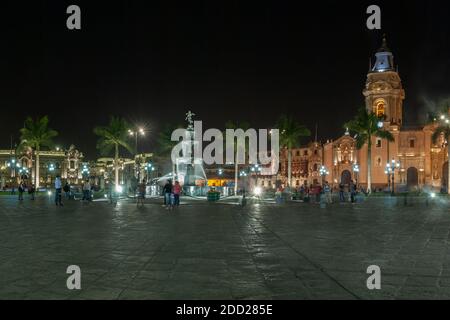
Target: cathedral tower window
{"x": 380, "y": 109}
{"x": 378, "y": 143}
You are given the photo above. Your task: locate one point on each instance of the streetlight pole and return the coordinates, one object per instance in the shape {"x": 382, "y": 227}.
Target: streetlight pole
{"x": 323, "y": 172}
{"x": 390, "y": 171}
{"x": 356, "y": 171}
{"x": 135, "y": 133}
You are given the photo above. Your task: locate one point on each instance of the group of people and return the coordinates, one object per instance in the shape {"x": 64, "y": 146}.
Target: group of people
{"x": 172, "y": 194}
{"x": 23, "y": 187}
{"x": 317, "y": 192}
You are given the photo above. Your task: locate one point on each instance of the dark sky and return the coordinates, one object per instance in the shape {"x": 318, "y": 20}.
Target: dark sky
{"x": 226, "y": 60}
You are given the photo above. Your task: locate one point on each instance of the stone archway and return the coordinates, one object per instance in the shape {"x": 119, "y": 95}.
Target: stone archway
{"x": 444, "y": 175}
{"x": 412, "y": 177}
{"x": 346, "y": 177}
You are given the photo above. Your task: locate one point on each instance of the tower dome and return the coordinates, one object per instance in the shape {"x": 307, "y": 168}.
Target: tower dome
{"x": 384, "y": 58}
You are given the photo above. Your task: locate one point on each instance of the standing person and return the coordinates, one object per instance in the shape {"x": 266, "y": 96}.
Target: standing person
{"x": 318, "y": 192}
{"x": 352, "y": 191}
{"x": 341, "y": 192}
{"x": 327, "y": 192}
{"x": 21, "y": 190}
{"x": 112, "y": 193}
{"x": 86, "y": 191}
{"x": 32, "y": 191}
{"x": 167, "y": 191}
{"x": 176, "y": 193}
{"x": 141, "y": 193}
{"x": 67, "y": 190}
{"x": 58, "y": 191}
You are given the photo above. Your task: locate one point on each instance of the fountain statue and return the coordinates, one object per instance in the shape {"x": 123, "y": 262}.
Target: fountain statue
{"x": 187, "y": 169}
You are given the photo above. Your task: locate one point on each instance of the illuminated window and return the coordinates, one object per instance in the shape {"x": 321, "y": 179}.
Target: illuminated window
{"x": 380, "y": 109}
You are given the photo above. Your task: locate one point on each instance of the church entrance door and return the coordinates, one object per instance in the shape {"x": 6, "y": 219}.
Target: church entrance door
{"x": 412, "y": 178}
{"x": 346, "y": 177}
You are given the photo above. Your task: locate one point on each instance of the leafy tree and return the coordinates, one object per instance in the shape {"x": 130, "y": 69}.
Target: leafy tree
{"x": 112, "y": 137}
{"x": 365, "y": 125}
{"x": 36, "y": 134}
{"x": 290, "y": 134}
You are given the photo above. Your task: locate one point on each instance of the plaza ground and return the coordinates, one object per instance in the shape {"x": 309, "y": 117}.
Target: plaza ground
{"x": 223, "y": 251}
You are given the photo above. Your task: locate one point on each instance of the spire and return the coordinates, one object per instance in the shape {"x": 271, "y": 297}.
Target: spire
{"x": 384, "y": 47}
{"x": 384, "y": 58}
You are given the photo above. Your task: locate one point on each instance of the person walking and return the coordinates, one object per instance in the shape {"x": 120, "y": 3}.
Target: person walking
{"x": 327, "y": 192}
{"x": 176, "y": 193}
{"x": 21, "y": 190}
{"x": 86, "y": 191}
{"x": 341, "y": 192}
{"x": 58, "y": 191}
{"x": 32, "y": 191}
{"x": 141, "y": 193}
{"x": 352, "y": 191}
{"x": 66, "y": 190}
{"x": 167, "y": 191}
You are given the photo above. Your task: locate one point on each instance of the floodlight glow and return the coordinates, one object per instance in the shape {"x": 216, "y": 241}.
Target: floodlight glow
{"x": 49, "y": 193}
{"x": 433, "y": 194}
{"x": 258, "y": 191}
{"x": 380, "y": 124}
{"x": 119, "y": 189}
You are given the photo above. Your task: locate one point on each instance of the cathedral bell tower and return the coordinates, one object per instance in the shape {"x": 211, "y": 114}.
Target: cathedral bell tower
{"x": 384, "y": 93}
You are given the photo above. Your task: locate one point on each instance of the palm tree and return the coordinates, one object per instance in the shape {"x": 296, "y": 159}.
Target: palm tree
{"x": 290, "y": 134}
{"x": 236, "y": 125}
{"x": 36, "y": 134}
{"x": 443, "y": 130}
{"x": 113, "y": 136}
{"x": 365, "y": 125}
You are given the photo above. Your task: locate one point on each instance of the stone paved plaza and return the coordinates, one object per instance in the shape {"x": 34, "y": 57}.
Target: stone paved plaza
{"x": 223, "y": 251}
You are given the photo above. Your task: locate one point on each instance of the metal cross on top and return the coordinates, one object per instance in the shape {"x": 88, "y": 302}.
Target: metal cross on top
{"x": 189, "y": 116}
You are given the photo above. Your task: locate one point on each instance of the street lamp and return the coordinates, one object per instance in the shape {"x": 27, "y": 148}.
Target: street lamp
{"x": 139, "y": 131}
{"x": 390, "y": 171}
{"x": 256, "y": 169}
{"x": 323, "y": 172}
{"x": 150, "y": 168}
{"x": 13, "y": 165}
{"x": 356, "y": 172}
{"x": 23, "y": 173}
{"x": 51, "y": 169}
{"x": 85, "y": 170}
{"x": 135, "y": 133}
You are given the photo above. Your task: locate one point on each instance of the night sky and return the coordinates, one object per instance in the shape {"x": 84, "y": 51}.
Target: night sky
{"x": 225, "y": 60}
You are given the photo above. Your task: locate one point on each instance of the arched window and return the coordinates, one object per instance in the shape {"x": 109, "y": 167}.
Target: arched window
{"x": 380, "y": 109}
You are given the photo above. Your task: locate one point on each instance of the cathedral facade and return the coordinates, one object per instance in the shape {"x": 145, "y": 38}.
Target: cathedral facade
{"x": 421, "y": 162}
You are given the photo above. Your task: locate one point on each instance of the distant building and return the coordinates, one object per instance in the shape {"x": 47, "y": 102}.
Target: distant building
{"x": 14, "y": 167}
{"x": 421, "y": 161}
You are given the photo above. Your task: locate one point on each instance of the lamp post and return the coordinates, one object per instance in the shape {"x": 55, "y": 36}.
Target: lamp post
{"x": 51, "y": 169}
{"x": 13, "y": 165}
{"x": 323, "y": 172}
{"x": 23, "y": 173}
{"x": 355, "y": 168}
{"x": 149, "y": 167}
{"x": 135, "y": 133}
{"x": 256, "y": 169}
{"x": 390, "y": 171}
{"x": 85, "y": 171}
